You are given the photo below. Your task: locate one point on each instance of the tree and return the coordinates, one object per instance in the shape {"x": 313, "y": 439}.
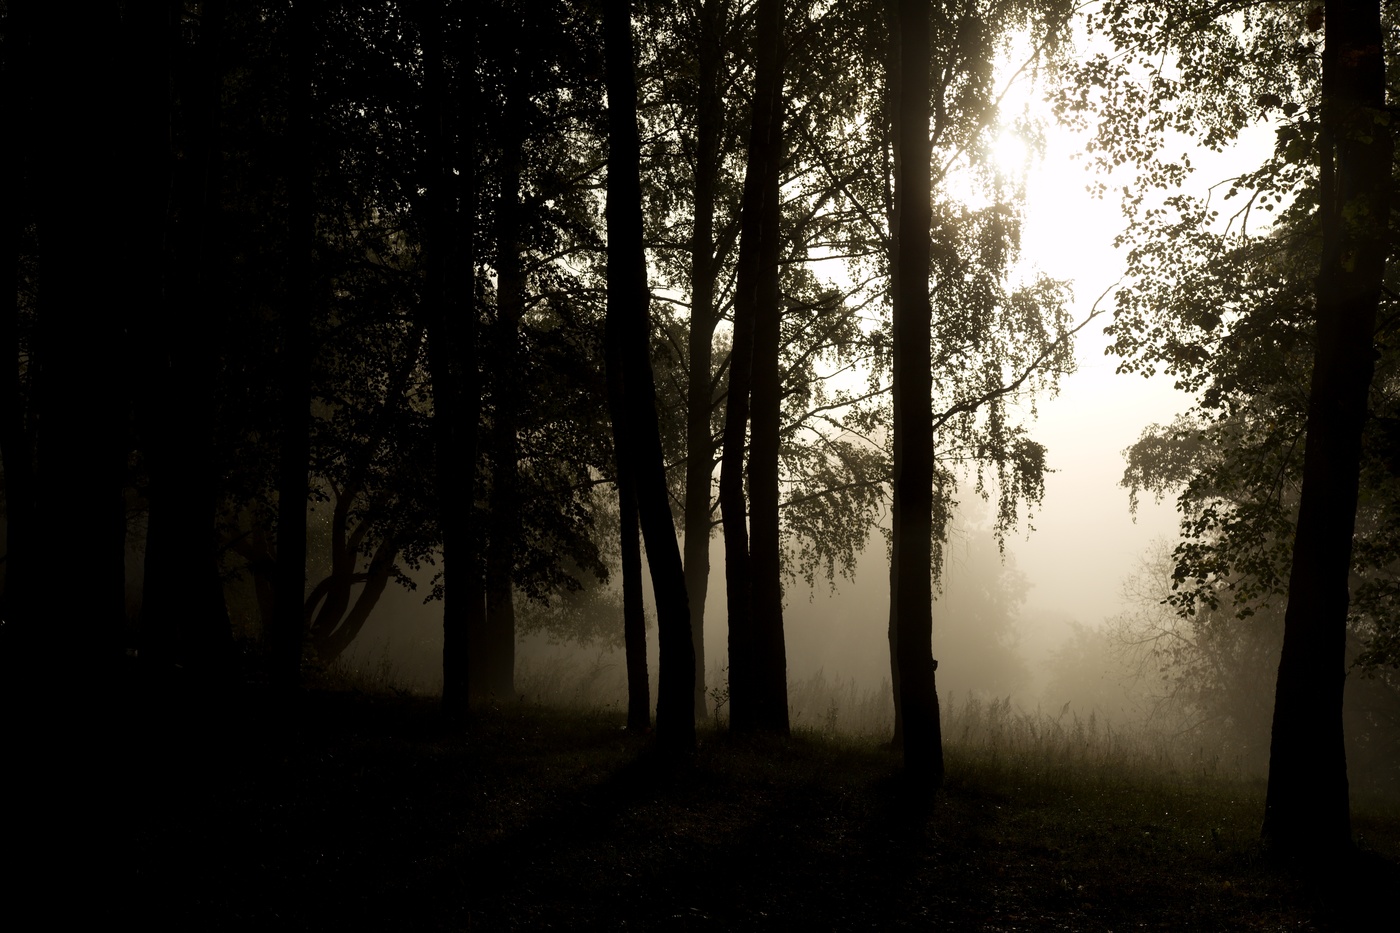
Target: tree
{"x": 628, "y": 330}
{"x": 1307, "y": 812}
{"x": 911, "y": 582}
{"x": 753, "y": 572}
{"x": 1334, "y": 155}
{"x": 297, "y": 310}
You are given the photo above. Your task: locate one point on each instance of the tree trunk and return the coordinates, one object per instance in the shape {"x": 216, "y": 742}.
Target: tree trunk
{"x": 83, "y": 418}
{"x": 1307, "y": 812}
{"x": 179, "y": 625}
{"x": 450, "y": 314}
{"x": 634, "y": 630}
{"x": 700, "y": 444}
{"x": 757, "y": 659}
{"x": 16, "y": 444}
{"x": 911, "y": 579}
{"x": 295, "y": 376}
{"x": 630, "y": 326}
{"x": 493, "y": 673}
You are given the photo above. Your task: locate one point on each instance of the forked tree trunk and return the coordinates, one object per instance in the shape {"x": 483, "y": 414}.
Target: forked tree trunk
{"x": 629, "y": 326}
{"x": 757, "y": 663}
{"x": 1307, "y": 811}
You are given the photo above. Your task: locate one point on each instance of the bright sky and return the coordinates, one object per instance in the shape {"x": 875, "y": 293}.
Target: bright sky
{"x": 1085, "y": 542}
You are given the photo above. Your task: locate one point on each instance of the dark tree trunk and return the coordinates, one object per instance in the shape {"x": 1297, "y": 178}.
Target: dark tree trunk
{"x": 16, "y": 213}
{"x": 634, "y": 629}
{"x": 700, "y": 444}
{"x": 179, "y": 624}
{"x": 295, "y": 375}
{"x": 493, "y": 672}
{"x": 82, "y": 415}
{"x": 450, "y": 313}
{"x": 630, "y": 326}
{"x": 911, "y": 578}
{"x": 335, "y": 629}
{"x": 757, "y": 658}
{"x": 1307, "y": 812}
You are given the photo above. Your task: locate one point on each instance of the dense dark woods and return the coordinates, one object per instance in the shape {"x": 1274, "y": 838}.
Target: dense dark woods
{"x": 523, "y": 306}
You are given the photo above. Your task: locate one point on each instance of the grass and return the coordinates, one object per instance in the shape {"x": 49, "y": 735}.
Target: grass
{"x": 350, "y": 811}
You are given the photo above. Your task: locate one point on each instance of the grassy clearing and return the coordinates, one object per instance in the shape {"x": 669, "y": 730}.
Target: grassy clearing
{"x": 357, "y": 812}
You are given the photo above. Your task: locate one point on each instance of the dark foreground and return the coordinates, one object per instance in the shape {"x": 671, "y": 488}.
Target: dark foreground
{"x": 359, "y": 814}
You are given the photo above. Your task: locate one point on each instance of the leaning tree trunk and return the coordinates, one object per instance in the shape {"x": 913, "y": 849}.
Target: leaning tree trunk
{"x": 1307, "y": 812}
{"x": 628, "y": 323}
{"x": 911, "y": 578}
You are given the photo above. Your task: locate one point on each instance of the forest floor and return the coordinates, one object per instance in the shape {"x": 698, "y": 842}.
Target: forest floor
{"x": 359, "y": 813}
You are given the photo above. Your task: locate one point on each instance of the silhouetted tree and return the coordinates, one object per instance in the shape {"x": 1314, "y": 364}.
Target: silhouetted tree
{"x": 297, "y": 309}
{"x": 753, "y": 557}
{"x": 911, "y": 581}
{"x": 1307, "y": 811}
{"x": 629, "y": 327}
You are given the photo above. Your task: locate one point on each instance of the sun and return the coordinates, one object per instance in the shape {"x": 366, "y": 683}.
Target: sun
{"x": 1010, "y": 154}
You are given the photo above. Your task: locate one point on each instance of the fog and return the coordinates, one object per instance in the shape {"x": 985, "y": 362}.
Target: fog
{"x": 1038, "y": 630}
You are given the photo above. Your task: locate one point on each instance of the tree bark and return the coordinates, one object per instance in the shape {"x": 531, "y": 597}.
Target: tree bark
{"x": 911, "y": 579}
{"x": 629, "y": 324}
{"x": 1307, "y": 812}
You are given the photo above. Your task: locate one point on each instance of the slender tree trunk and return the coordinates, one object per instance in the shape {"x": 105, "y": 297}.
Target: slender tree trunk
{"x": 295, "y": 377}
{"x": 494, "y": 671}
{"x": 629, "y": 324}
{"x": 757, "y": 659}
{"x": 892, "y": 124}
{"x": 16, "y": 445}
{"x": 700, "y": 444}
{"x": 634, "y": 629}
{"x": 911, "y": 579}
{"x": 180, "y": 625}
{"x": 1307, "y": 812}
{"x": 770, "y": 654}
{"x": 452, "y": 356}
